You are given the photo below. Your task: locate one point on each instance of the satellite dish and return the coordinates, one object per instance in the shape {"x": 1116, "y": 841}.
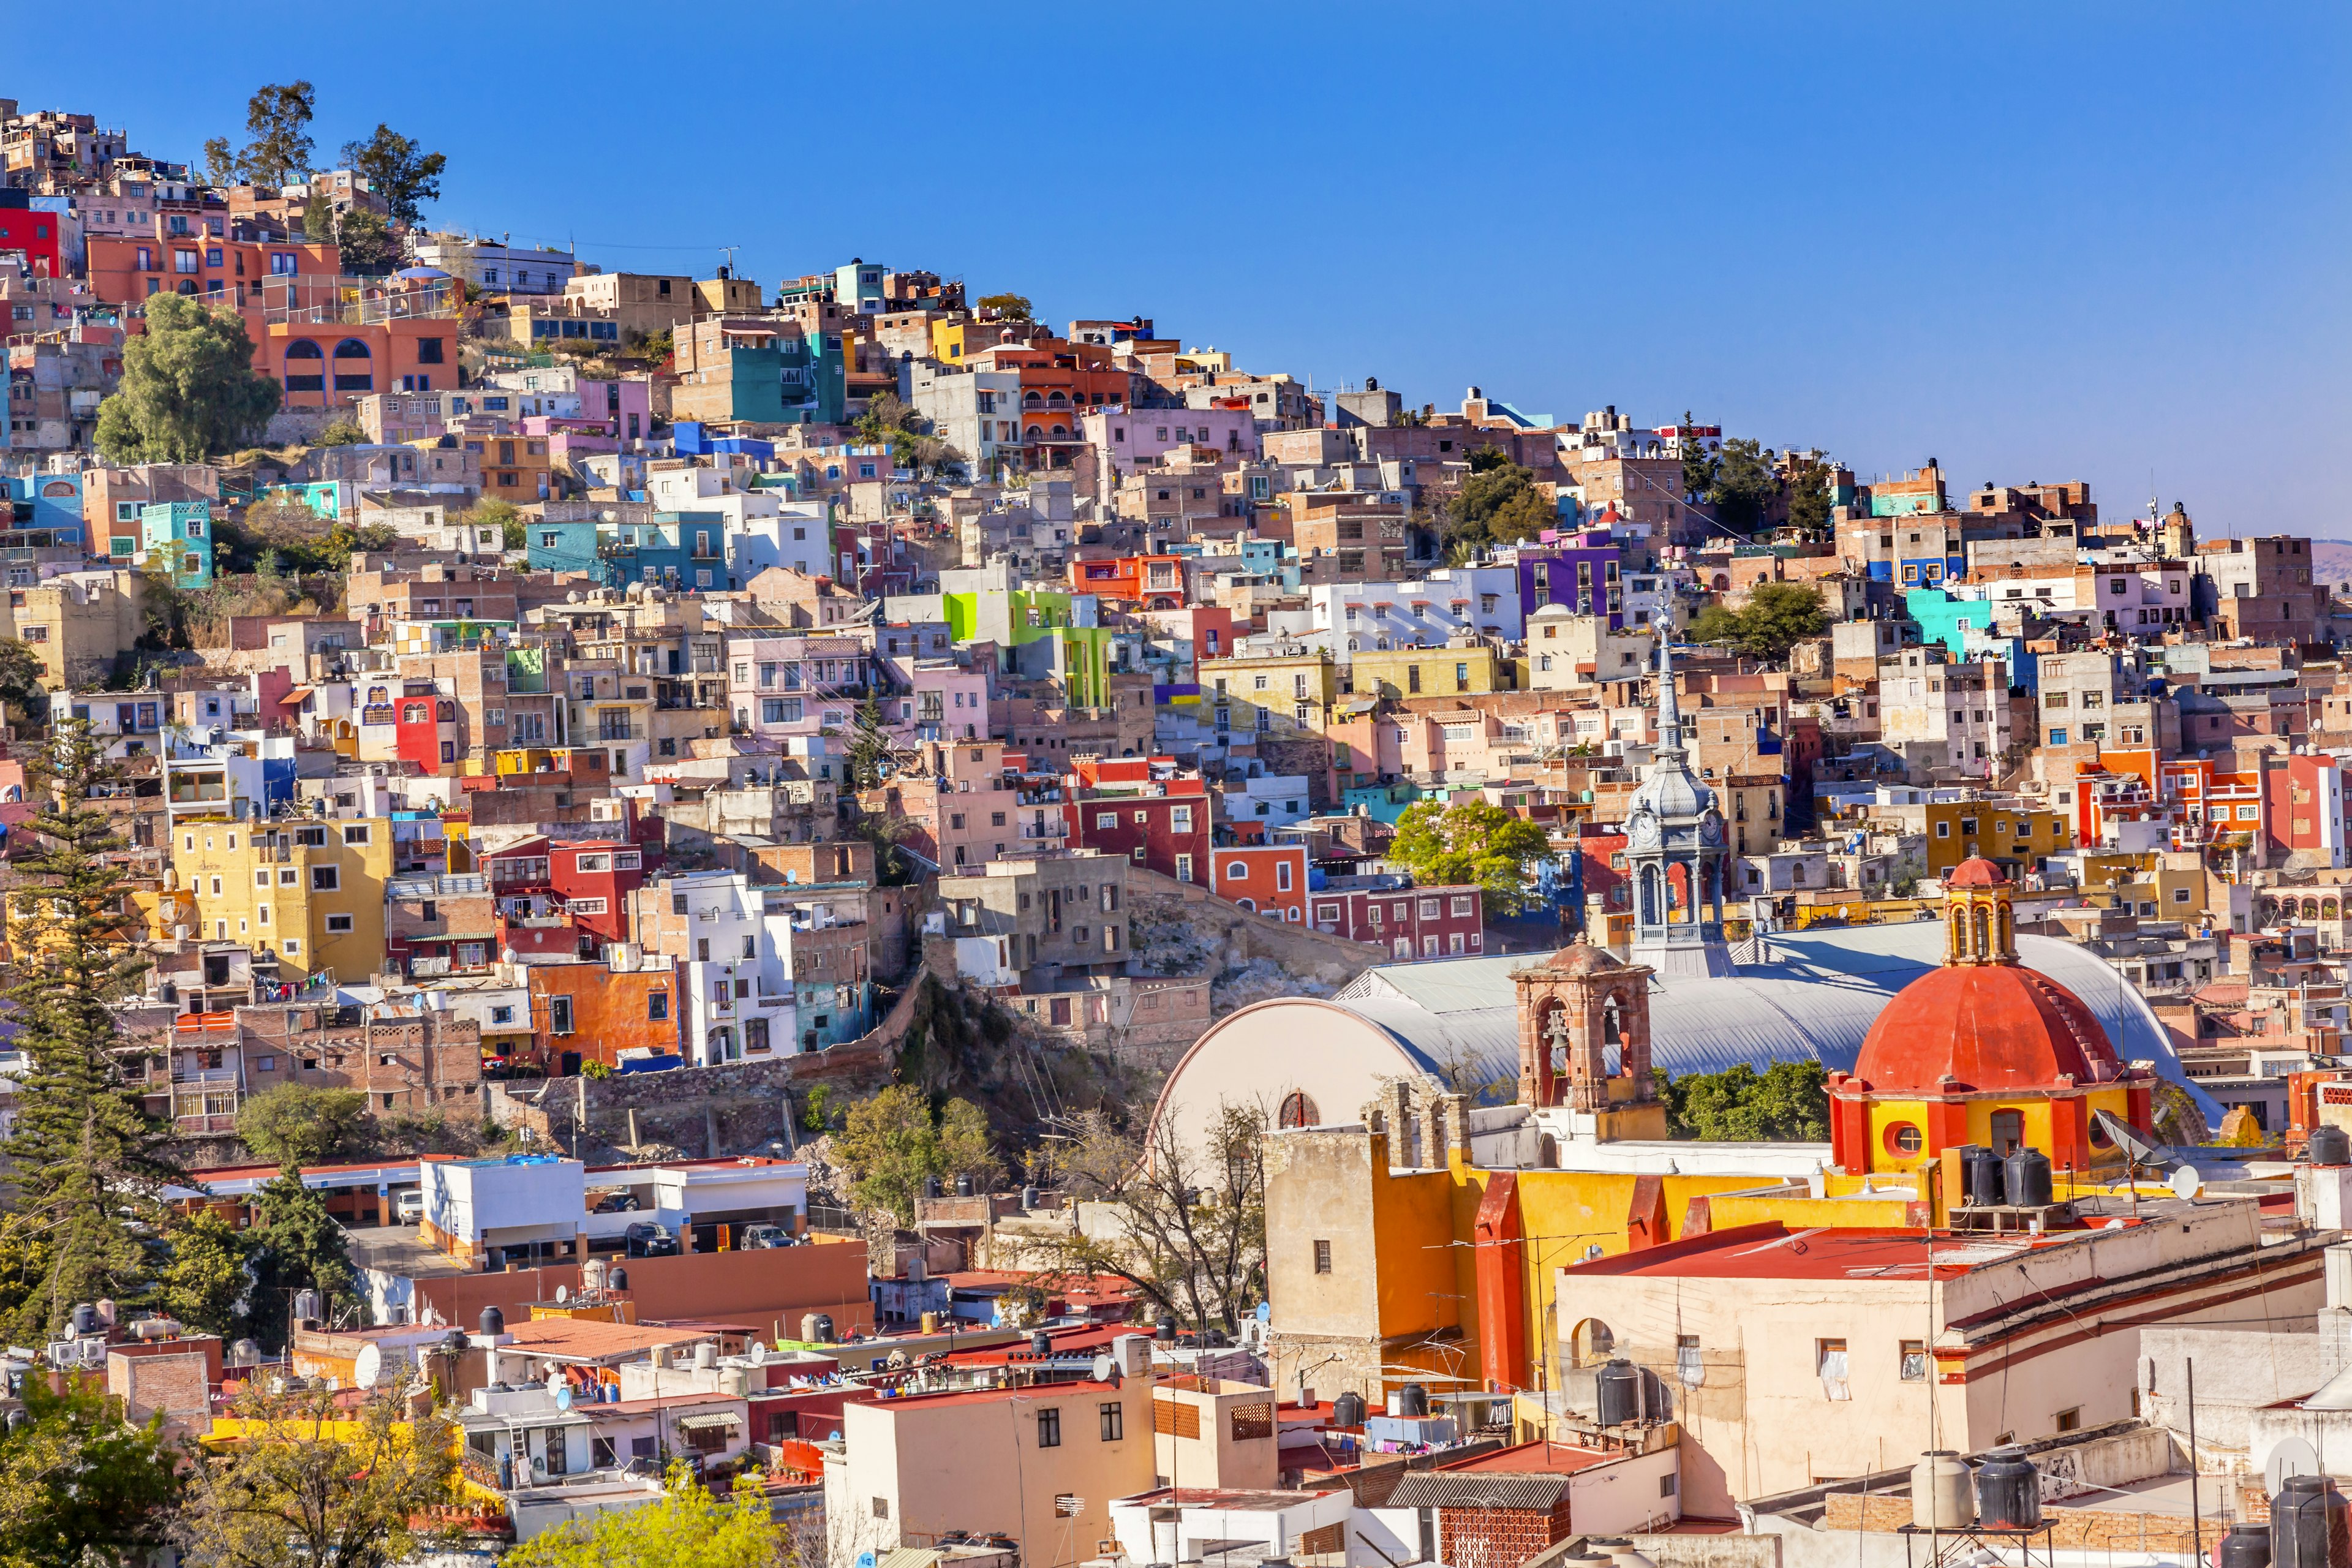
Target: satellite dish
{"x": 2288, "y": 1457}
{"x": 563, "y": 1397}
{"x": 562, "y": 1294}
{"x": 2185, "y": 1183}
{"x": 2129, "y": 1139}
{"x": 1104, "y": 1369}
{"x": 368, "y": 1365}
{"x": 759, "y": 1353}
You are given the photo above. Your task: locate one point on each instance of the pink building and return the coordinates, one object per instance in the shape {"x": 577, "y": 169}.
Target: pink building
{"x": 949, "y": 702}
{"x": 1133, "y": 438}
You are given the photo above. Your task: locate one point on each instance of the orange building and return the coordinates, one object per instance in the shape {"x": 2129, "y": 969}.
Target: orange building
{"x": 1059, "y": 380}
{"x": 1984, "y": 1052}
{"x": 1270, "y": 879}
{"x": 599, "y": 1013}
{"x": 1156, "y": 582}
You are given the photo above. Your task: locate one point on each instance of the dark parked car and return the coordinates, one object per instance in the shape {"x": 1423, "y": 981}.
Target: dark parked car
{"x": 651, "y": 1241}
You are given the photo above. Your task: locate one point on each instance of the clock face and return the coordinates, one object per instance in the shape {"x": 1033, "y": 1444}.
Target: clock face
{"x": 1710, "y": 828}
{"x": 1642, "y": 830}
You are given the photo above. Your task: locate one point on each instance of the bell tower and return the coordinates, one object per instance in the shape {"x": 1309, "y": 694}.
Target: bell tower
{"x": 1576, "y": 1010}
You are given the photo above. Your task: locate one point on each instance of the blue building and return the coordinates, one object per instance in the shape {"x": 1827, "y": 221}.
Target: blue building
{"x": 669, "y": 550}
{"x": 179, "y": 534}
{"x": 49, "y": 503}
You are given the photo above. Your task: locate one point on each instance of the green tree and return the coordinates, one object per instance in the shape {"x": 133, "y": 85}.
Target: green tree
{"x": 220, "y": 161}
{"x": 299, "y": 1124}
{"x": 188, "y": 388}
{"x": 319, "y": 217}
{"x": 1472, "y": 842}
{"x": 24, "y": 684}
{"x": 278, "y": 117}
{"x": 868, "y": 760}
{"x": 341, "y": 432}
{"x": 1744, "y": 486}
{"x": 504, "y": 516}
{"x": 365, "y": 244}
{"x": 1698, "y": 463}
{"x": 1498, "y": 503}
{"x": 398, "y": 171}
{"x": 205, "y": 1282}
{"x": 1777, "y": 616}
{"x": 86, "y": 1159}
{"x": 79, "y": 1486}
{"x": 1809, "y": 497}
{"x": 329, "y": 1485}
{"x": 688, "y": 1526}
{"x": 297, "y": 1246}
{"x": 889, "y": 1143}
{"x": 1006, "y": 307}
{"x": 1788, "y": 1101}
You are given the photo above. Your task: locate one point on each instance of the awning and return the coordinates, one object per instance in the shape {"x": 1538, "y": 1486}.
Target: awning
{"x": 297, "y": 695}
{"x": 706, "y": 1423}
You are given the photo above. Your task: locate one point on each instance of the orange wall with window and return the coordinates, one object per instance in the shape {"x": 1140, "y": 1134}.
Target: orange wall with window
{"x": 1268, "y": 878}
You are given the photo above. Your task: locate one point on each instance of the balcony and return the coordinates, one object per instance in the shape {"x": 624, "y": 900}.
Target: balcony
{"x": 191, "y": 1126}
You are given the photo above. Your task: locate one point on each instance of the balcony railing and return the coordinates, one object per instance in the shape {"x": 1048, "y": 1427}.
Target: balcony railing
{"x": 186, "y": 1125}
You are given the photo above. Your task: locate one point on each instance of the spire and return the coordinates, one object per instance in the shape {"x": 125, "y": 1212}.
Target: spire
{"x": 1670, "y": 714}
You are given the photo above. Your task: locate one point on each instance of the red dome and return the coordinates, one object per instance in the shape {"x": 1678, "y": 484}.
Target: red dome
{"x": 1976, "y": 871}
{"x": 1989, "y": 1026}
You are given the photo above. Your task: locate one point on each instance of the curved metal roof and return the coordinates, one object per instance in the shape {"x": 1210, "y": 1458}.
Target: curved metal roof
{"x": 1809, "y": 995}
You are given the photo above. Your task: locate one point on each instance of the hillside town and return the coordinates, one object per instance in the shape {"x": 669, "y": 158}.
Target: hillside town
{"x": 945, "y": 936}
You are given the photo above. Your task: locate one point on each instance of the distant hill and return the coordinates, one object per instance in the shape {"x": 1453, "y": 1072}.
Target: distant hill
{"x": 2331, "y": 561}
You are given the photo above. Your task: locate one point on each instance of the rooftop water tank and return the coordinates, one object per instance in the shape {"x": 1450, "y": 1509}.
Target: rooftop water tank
{"x": 494, "y": 1322}
{"x": 2026, "y": 1178}
{"x": 1943, "y": 1491}
{"x": 1619, "y": 1387}
{"x": 2330, "y": 1146}
{"x": 2008, "y": 1492}
{"x": 2308, "y": 1523}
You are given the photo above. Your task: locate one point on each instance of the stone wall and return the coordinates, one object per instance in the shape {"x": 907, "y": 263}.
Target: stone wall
{"x": 1301, "y": 950}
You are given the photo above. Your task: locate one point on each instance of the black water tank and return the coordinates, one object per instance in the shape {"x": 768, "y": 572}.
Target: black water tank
{"x": 494, "y": 1259}
{"x": 1348, "y": 1410}
{"x": 1029, "y": 1196}
{"x": 2331, "y": 1146}
{"x": 2246, "y": 1546}
{"x": 494, "y": 1322}
{"x": 85, "y": 1318}
{"x": 2009, "y": 1491}
{"x": 1412, "y": 1402}
{"x": 824, "y": 1330}
{"x": 1164, "y": 1331}
{"x": 964, "y": 1185}
{"x": 1620, "y": 1386}
{"x": 1980, "y": 1184}
{"x": 2027, "y": 1178}
{"x": 2307, "y": 1524}
{"x": 617, "y": 1277}
{"x": 1041, "y": 1344}
{"x": 932, "y": 1189}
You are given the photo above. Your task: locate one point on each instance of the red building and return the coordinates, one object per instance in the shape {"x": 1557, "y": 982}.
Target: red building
{"x": 1269, "y": 878}
{"x": 570, "y": 896}
{"x": 2305, "y": 807}
{"x": 30, "y": 234}
{"x": 1410, "y": 922}
{"x": 1143, "y": 808}
{"x": 426, "y": 731}
{"x": 1155, "y": 581}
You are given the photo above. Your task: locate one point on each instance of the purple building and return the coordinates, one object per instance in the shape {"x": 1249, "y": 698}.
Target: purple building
{"x": 1576, "y": 570}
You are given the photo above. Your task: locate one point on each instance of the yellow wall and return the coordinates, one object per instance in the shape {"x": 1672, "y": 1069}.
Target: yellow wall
{"x": 1388, "y": 673}
{"x": 1950, "y": 843}
{"x": 2113, "y": 1098}
{"x": 218, "y": 862}
{"x": 1239, "y": 677}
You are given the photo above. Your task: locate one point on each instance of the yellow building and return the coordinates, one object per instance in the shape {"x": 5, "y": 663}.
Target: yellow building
{"x": 2010, "y": 834}
{"x": 312, "y": 892}
{"x": 1281, "y": 694}
{"x": 78, "y": 623}
{"x": 1403, "y": 672}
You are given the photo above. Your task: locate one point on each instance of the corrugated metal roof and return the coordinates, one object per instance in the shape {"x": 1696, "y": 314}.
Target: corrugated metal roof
{"x": 1814, "y": 999}
{"x": 1473, "y": 1488}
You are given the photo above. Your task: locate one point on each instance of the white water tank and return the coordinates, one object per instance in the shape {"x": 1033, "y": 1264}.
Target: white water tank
{"x": 1943, "y": 1496}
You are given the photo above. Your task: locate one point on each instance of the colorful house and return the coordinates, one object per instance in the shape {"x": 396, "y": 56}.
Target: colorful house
{"x": 176, "y": 536}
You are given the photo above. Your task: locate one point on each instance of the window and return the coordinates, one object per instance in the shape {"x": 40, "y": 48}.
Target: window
{"x": 326, "y": 878}
{"x": 2070, "y": 1420}
{"x": 1914, "y": 1368}
{"x": 1113, "y": 1416}
{"x": 1049, "y": 1430}
{"x": 657, "y": 1006}
{"x": 1322, "y": 1257}
{"x": 337, "y": 925}
{"x": 558, "y": 1015}
{"x": 1829, "y": 1361}
{"x": 881, "y": 1504}
{"x": 357, "y": 833}
{"x": 594, "y": 862}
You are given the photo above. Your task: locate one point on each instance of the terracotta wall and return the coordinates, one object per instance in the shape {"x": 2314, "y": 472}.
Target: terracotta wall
{"x": 765, "y": 1291}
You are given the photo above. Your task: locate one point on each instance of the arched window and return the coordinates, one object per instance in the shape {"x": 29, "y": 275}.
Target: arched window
{"x": 1611, "y": 1023}
{"x": 1032, "y": 399}
{"x": 1984, "y": 938}
{"x": 353, "y": 366}
{"x": 2008, "y": 932}
{"x": 2007, "y": 1131}
{"x": 1959, "y": 942}
{"x": 310, "y": 359}
{"x": 1649, "y": 895}
{"x": 1297, "y": 1110}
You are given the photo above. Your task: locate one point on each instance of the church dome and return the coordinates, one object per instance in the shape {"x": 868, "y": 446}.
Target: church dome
{"x": 1582, "y": 958}
{"x": 1976, "y": 871}
{"x": 1997, "y": 1026}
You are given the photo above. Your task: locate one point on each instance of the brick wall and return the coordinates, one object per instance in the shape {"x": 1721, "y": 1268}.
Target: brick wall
{"x": 2089, "y": 1528}
{"x": 1497, "y": 1537}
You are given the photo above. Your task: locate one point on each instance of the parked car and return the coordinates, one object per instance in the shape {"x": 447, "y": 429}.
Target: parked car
{"x": 617, "y": 1203}
{"x": 650, "y": 1241}
{"x": 756, "y": 1236}
{"x": 408, "y": 1207}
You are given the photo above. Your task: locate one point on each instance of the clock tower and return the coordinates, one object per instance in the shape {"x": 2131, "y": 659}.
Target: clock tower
{"x": 1674, "y": 853}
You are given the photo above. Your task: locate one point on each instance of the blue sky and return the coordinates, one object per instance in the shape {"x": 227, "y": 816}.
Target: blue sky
{"x": 2094, "y": 241}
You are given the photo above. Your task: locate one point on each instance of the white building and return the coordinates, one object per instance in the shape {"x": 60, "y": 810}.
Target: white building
{"x": 1349, "y": 617}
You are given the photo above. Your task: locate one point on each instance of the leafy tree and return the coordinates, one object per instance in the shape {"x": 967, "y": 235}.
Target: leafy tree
{"x": 1497, "y": 504}
{"x": 889, "y": 1143}
{"x": 1471, "y": 841}
{"x": 278, "y": 120}
{"x": 1787, "y": 1101}
{"x": 188, "y": 388}
{"x": 398, "y": 170}
{"x": 1006, "y": 307}
{"x": 689, "y": 1525}
{"x": 869, "y": 761}
{"x": 24, "y": 684}
{"x": 205, "y": 1282}
{"x": 297, "y": 1246}
{"x": 319, "y": 217}
{"x": 893, "y": 866}
{"x": 1777, "y": 616}
{"x": 313, "y": 1483}
{"x": 504, "y": 516}
{"x": 1190, "y": 1232}
{"x": 86, "y": 1158}
{"x": 1744, "y": 486}
{"x": 297, "y": 1124}
{"x": 1809, "y": 497}
{"x": 79, "y": 1486}
{"x": 220, "y": 161}
{"x": 365, "y": 244}
{"x": 339, "y": 433}
{"x": 1698, "y": 463}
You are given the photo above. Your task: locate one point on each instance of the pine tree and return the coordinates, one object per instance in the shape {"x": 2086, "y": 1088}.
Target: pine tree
{"x": 297, "y": 1246}
{"x": 86, "y": 1160}
{"x": 869, "y": 761}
